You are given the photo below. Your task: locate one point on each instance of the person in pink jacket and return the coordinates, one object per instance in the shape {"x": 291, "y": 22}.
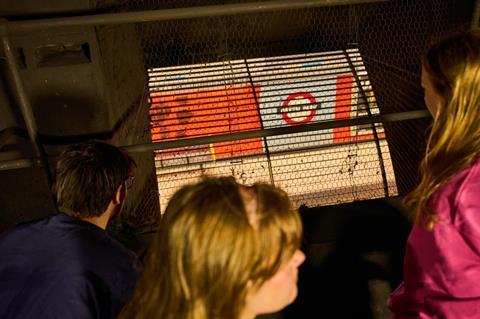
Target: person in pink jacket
{"x": 442, "y": 258}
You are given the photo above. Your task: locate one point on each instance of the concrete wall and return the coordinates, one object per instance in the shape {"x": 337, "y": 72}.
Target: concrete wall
{"x": 83, "y": 83}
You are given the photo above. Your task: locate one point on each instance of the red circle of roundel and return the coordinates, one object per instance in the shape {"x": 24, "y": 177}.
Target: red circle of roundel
{"x": 293, "y": 96}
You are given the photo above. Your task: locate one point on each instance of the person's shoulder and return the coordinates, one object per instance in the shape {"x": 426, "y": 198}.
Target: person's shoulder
{"x": 462, "y": 179}
{"x": 30, "y": 230}
{"x": 474, "y": 170}
{"x": 119, "y": 249}
{"x": 114, "y": 264}
{"x": 469, "y": 184}
{"x": 100, "y": 247}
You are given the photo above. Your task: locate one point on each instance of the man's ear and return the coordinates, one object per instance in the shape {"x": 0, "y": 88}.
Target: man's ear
{"x": 120, "y": 194}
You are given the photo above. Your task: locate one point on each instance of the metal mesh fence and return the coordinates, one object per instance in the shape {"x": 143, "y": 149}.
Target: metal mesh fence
{"x": 315, "y": 168}
{"x": 235, "y": 73}
{"x": 392, "y": 40}
{"x": 321, "y": 98}
{"x": 313, "y": 177}
{"x": 311, "y": 82}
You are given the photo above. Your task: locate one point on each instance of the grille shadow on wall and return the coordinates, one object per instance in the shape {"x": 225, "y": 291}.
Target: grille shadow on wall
{"x": 321, "y": 167}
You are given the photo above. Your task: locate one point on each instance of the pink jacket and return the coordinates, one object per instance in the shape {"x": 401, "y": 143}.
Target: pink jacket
{"x": 442, "y": 266}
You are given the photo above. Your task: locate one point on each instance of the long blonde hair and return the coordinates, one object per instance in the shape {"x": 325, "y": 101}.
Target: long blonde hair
{"x": 453, "y": 66}
{"x": 207, "y": 253}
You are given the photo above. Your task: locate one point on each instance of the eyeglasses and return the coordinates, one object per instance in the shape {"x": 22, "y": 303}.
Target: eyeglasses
{"x": 129, "y": 181}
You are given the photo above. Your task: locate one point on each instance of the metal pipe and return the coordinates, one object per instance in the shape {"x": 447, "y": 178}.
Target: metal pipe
{"x": 395, "y": 117}
{"x": 18, "y": 163}
{"x": 411, "y": 115}
{"x": 178, "y": 13}
{"x": 23, "y": 101}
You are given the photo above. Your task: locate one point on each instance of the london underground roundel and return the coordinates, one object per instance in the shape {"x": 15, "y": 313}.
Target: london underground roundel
{"x": 298, "y": 108}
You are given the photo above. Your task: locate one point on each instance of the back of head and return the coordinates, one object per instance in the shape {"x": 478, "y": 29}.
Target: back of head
{"x": 452, "y": 58}
{"x": 210, "y": 249}
{"x": 88, "y": 176}
{"x": 453, "y": 67}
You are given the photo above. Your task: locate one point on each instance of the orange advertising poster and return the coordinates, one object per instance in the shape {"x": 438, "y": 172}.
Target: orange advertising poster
{"x": 199, "y": 112}
{"x": 343, "y": 108}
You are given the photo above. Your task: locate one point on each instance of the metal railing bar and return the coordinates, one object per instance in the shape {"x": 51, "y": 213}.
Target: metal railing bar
{"x": 176, "y": 14}
{"x": 411, "y": 115}
{"x": 395, "y": 117}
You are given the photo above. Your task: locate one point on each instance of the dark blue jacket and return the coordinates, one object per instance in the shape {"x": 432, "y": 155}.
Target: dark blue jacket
{"x": 63, "y": 267}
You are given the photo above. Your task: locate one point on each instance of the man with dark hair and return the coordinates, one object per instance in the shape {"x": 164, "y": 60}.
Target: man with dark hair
{"x": 66, "y": 266}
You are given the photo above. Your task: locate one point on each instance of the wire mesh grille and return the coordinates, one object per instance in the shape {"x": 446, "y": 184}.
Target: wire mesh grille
{"x": 319, "y": 177}
{"x": 233, "y": 73}
{"x": 315, "y": 168}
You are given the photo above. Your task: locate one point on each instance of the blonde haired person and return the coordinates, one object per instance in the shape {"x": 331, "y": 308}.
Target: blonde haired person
{"x": 442, "y": 259}
{"x": 223, "y": 250}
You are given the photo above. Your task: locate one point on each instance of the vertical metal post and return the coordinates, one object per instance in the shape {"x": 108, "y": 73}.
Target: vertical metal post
{"x": 267, "y": 152}
{"x": 374, "y": 129}
{"x": 22, "y": 100}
